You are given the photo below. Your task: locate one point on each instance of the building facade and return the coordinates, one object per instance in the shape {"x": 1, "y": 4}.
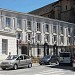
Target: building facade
{"x": 35, "y": 35}
{"x": 61, "y": 10}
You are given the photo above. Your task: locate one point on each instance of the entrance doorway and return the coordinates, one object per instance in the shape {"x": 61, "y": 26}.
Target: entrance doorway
{"x": 24, "y": 50}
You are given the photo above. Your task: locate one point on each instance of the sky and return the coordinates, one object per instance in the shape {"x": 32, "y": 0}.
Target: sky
{"x": 24, "y": 5}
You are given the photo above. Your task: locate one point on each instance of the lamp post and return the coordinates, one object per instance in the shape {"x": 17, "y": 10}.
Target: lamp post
{"x": 61, "y": 47}
{"x": 28, "y": 47}
{"x": 17, "y": 47}
{"x": 38, "y": 52}
{"x": 55, "y": 48}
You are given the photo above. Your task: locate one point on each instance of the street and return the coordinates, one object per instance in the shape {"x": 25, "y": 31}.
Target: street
{"x": 40, "y": 70}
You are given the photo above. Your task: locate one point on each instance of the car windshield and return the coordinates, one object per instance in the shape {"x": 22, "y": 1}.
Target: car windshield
{"x": 46, "y": 57}
{"x": 64, "y": 54}
{"x": 11, "y": 57}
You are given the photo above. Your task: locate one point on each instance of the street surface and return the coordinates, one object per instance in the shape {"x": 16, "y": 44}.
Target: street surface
{"x": 40, "y": 70}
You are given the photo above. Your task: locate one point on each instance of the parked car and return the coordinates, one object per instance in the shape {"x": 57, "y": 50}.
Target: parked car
{"x": 49, "y": 59}
{"x": 16, "y": 61}
{"x": 65, "y": 58}
{"x": 73, "y": 64}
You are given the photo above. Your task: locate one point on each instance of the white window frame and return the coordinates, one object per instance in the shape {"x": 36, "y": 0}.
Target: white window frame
{"x": 4, "y": 46}
{"x": 29, "y": 24}
{"x": 54, "y": 29}
{"x": 19, "y": 23}
{"x": 38, "y": 26}
{"x": 47, "y": 27}
{"x": 8, "y": 22}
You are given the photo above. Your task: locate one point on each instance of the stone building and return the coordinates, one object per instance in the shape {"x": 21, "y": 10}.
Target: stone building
{"x": 35, "y": 35}
{"x": 61, "y": 10}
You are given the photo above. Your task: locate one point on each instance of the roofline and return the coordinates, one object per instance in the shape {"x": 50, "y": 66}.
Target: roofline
{"x": 27, "y": 14}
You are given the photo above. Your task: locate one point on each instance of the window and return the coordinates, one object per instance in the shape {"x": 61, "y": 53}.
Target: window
{"x": 29, "y": 36}
{"x": 61, "y": 39}
{"x": 8, "y": 22}
{"x": 47, "y": 28}
{"x": 61, "y": 29}
{"x": 29, "y": 25}
{"x": 66, "y": 7}
{"x": 54, "y": 29}
{"x": 26, "y": 57}
{"x": 4, "y": 46}
{"x": 19, "y": 36}
{"x": 69, "y": 40}
{"x": 38, "y": 27}
{"x": 47, "y": 37}
{"x": 21, "y": 57}
{"x": 54, "y": 38}
{"x": 38, "y": 37}
{"x": 19, "y": 23}
{"x": 69, "y": 30}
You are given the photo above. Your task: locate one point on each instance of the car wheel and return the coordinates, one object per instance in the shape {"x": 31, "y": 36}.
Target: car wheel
{"x": 40, "y": 64}
{"x": 3, "y": 68}
{"x": 60, "y": 64}
{"x": 15, "y": 67}
{"x": 30, "y": 65}
{"x": 57, "y": 62}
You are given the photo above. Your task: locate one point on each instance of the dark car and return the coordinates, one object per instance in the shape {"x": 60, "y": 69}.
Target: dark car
{"x": 49, "y": 59}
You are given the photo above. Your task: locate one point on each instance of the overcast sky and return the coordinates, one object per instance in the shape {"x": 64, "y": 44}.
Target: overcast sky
{"x": 24, "y": 5}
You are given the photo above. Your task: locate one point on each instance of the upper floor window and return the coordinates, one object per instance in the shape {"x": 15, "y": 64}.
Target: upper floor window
{"x": 19, "y": 23}
{"x": 69, "y": 30}
{"x": 38, "y": 27}
{"x": 38, "y": 37}
{"x": 29, "y": 25}
{"x": 29, "y": 36}
{"x": 61, "y": 29}
{"x": 61, "y": 39}
{"x": 66, "y": 7}
{"x": 47, "y": 28}
{"x": 69, "y": 40}
{"x": 8, "y": 22}
{"x": 47, "y": 38}
{"x": 54, "y": 29}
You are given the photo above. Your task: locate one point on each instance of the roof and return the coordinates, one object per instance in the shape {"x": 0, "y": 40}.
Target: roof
{"x": 44, "y": 9}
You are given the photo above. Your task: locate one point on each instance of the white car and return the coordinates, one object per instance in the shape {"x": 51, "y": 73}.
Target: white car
{"x": 16, "y": 61}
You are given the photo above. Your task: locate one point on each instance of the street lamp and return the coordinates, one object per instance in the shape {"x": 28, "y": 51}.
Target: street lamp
{"x": 28, "y": 47}
{"x": 55, "y": 48}
{"x": 38, "y": 50}
{"x": 61, "y": 47}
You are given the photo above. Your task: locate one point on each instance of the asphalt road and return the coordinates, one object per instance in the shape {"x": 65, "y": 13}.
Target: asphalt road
{"x": 40, "y": 70}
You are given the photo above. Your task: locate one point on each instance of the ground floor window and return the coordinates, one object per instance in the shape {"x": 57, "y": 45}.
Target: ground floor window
{"x": 4, "y": 46}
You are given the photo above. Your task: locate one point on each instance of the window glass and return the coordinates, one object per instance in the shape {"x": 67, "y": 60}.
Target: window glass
{"x": 21, "y": 57}
{"x": 38, "y": 27}
{"x": 8, "y": 22}
{"x": 19, "y": 23}
{"x": 47, "y": 28}
{"x": 4, "y": 46}
{"x": 29, "y": 25}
